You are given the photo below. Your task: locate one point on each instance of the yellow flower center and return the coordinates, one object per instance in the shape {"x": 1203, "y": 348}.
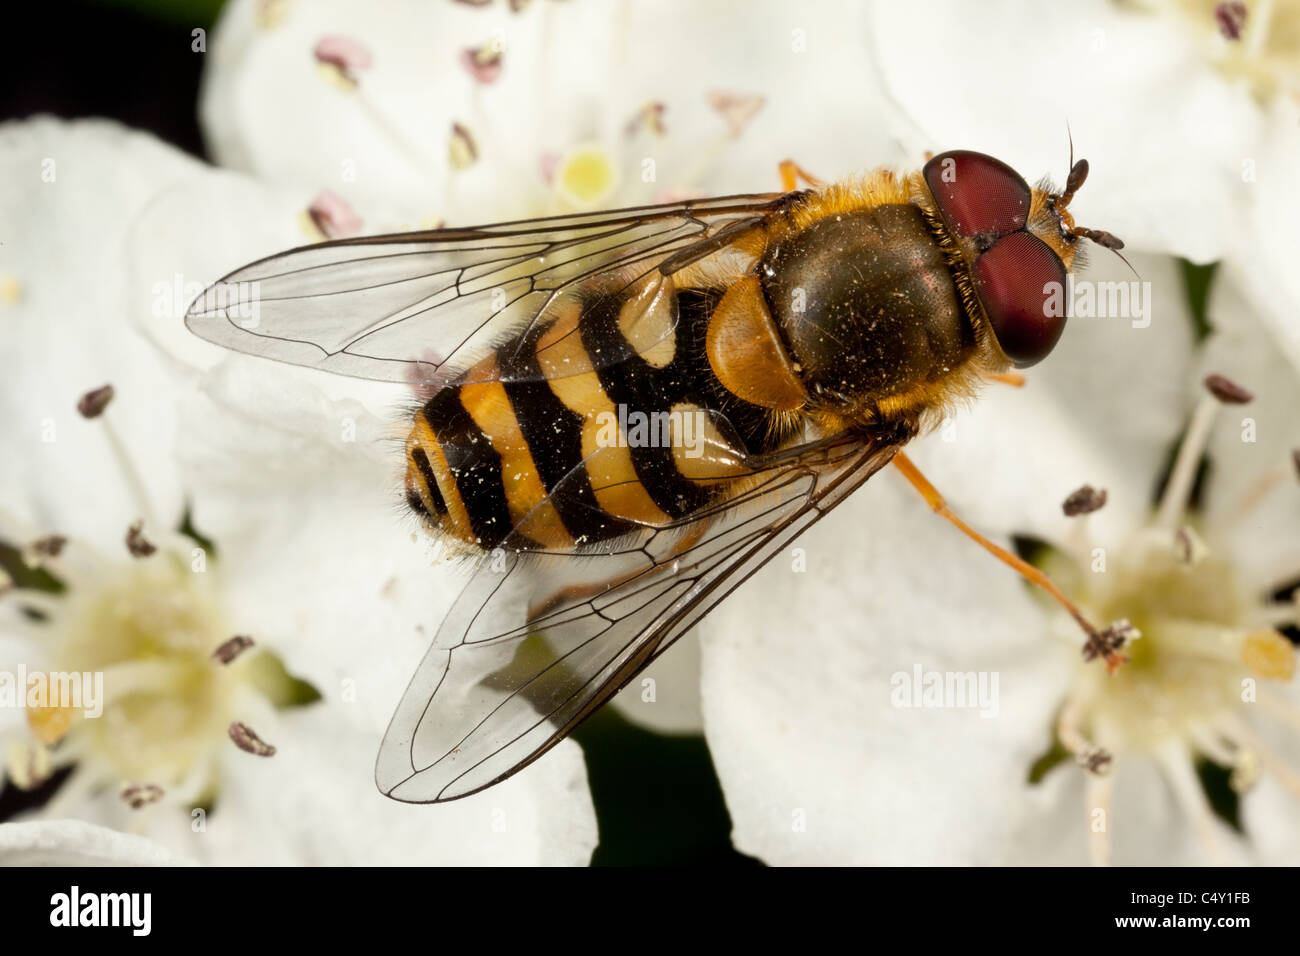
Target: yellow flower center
{"x": 150, "y": 628}
{"x": 586, "y": 176}
{"x": 1190, "y": 666}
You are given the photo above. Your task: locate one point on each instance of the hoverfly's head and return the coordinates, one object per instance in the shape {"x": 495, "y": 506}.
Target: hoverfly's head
{"x": 1018, "y": 244}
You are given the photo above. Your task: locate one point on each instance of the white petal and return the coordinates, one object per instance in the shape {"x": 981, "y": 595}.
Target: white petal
{"x": 75, "y": 843}
{"x": 1269, "y": 810}
{"x": 315, "y": 803}
{"x": 1144, "y": 824}
{"x": 790, "y": 56}
{"x": 191, "y": 233}
{"x": 670, "y": 702}
{"x": 797, "y": 693}
{"x": 1135, "y": 88}
{"x": 1250, "y": 496}
{"x": 1264, "y": 261}
{"x": 1153, "y": 823}
{"x": 1051, "y": 826}
{"x": 1268, "y": 815}
{"x": 67, "y": 331}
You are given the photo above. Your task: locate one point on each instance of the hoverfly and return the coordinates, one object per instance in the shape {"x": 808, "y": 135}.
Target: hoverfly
{"x": 786, "y": 346}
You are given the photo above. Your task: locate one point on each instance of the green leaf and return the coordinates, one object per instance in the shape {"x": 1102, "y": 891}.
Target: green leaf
{"x": 1197, "y": 281}
{"x": 1050, "y": 758}
{"x": 1224, "y": 801}
{"x": 269, "y": 675}
{"x": 194, "y": 534}
{"x": 38, "y": 579}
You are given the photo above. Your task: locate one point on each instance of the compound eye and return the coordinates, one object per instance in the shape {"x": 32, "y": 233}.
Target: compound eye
{"x": 977, "y": 194}
{"x": 1021, "y": 283}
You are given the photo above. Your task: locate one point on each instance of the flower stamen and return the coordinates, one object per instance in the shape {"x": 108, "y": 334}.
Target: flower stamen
{"x": 248, "y": 741}
{"x": 1108, "y": 643}
{"x": 1084, "y": 501}
{"x": 139, "y": 795}
{"x": 92, "y": 405}
{"x": 1182, "y": 477}
{"x": 1096, "y": 760}
{"x": 229, "y": 650}
{"x": 1231, "y": 17}
{"x": 333, "y": 217}
{"x": 42, "y": 549}
{"x": 136, "y": 543}
{"x": 1259, "y": 24}
{"x": 1268, "y": 655}
{"x": 483, "y": 62}
{"x": 1245, "y": 771}
{"x": 1189, "y": 549}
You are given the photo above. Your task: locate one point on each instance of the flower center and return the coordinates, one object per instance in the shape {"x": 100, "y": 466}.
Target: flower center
{"x": 145, "y": 683}
{"x": 150, "y": 627}
{"x": 1207, "y": 642}
{"x": 1187, "y": 669}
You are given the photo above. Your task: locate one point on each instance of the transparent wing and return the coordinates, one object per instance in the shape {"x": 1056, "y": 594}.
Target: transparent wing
{"x": 420, "y": 307}
{"x": 486, "y": 702}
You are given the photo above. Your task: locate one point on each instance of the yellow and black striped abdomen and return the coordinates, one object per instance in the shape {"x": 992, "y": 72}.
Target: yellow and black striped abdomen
{"x": 541, "y": 437}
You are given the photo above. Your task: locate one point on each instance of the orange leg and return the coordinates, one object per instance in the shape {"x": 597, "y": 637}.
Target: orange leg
{"x": 1007, "y": 378}
{"x": 792, "y": 172}
{"x": 1104, "y": 644}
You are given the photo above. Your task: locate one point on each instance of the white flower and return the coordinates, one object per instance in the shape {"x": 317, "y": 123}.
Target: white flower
{"x": 74, "y": 843}
{"x": 492, "y": 115}
{"x": 822, "y": 761}
{"x": 308, "y": 555}
{"x": 634, "y": 102}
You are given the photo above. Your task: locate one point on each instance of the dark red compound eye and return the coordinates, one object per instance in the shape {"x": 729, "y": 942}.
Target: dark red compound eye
{"x": 977, "y": 194}
{"x": 1021, "y": 283}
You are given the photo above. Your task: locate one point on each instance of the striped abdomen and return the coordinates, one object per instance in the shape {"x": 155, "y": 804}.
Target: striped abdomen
{"x": 573, "y": 459}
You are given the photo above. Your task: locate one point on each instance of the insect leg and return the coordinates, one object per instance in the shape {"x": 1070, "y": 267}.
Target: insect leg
{"x": 1104, "y": 644}
{"x": 792, "y": 172}
{"x": 1007, "y": 378}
